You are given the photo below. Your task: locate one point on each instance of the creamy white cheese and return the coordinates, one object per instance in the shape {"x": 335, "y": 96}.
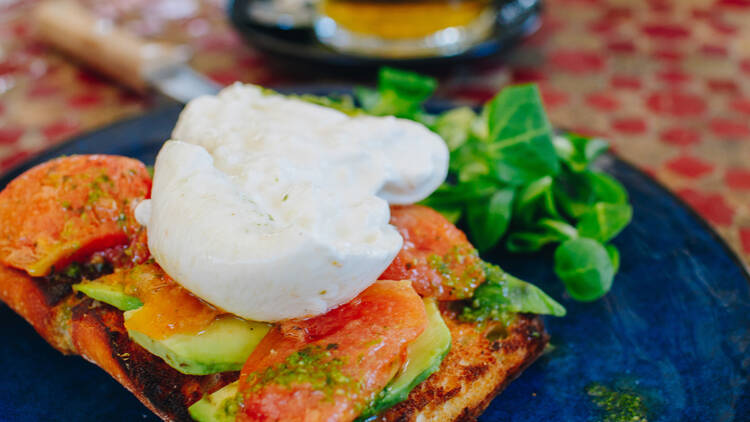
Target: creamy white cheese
{"x": 273, "y": 208}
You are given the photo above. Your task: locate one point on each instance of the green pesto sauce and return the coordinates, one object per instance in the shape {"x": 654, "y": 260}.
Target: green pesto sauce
{"x": 477, "y": 313}
{"x": 73, "y": 270}
{"x": 462, "y": 282}
{"x": 617, "y": 406}
{"x": 232, "y": 406}
{"x": 313, "y": 365}
{"x": 484, "y": 317}
{"x": 95, "y": 188}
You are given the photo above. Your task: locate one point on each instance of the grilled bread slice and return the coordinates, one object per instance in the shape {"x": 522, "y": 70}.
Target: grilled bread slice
{"x": 474, "y": 371}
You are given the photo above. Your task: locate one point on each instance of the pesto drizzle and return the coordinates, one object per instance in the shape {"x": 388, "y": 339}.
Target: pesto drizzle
{"x": 314, "y": 365}
{"x": 617, "y": 406}
{"x": 448, "y": 265}
{"x": 95, "y": 188}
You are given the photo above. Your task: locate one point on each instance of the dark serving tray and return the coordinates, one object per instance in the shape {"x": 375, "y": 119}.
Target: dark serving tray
{"x": 674, "y": 331}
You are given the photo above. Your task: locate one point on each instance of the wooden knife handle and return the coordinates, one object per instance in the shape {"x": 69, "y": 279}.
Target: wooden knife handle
{"x": 71, "y": 28}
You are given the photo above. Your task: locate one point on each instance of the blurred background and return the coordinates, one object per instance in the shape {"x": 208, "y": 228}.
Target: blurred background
{"x": 666, "y": 81}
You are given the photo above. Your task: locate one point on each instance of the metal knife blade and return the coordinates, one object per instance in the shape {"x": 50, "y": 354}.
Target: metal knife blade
{"x": 181, "y": 83}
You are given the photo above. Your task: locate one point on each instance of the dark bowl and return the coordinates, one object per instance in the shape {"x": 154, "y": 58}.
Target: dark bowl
{"x": 516, "y": 20}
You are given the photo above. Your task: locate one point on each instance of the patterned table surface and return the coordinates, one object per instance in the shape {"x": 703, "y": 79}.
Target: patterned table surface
{"x": 667, "y": 81}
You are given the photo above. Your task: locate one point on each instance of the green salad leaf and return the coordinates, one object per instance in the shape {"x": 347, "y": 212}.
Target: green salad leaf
{"x": 544, "y": 232}
{"x": 502, "y": 293}
{"x": 529, "y": 241}
{"x": 399, "y": 93}
{"x": 585, "y": 267}
{"x": 604, "y": 221}
{"x": 535, "y": 201}
{"x": 579, "y": 152}
{"x": 455, "y": 126}
{"x": 520, "y": 136}
{"x": 489, "y": 219}
{"x": 606, "y": 188}
{"x": 614, "y": 256}
{"x": 409, "y": 85}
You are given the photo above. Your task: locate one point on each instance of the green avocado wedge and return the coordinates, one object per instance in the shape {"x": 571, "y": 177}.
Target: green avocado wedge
{"x": 224, "y": 346}
{"x": 109, "y": 294}
{"x": 219, "y": 406}
{"x": 424, "y": 357}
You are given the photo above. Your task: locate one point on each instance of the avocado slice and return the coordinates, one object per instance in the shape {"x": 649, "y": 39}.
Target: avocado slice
{"x": 219, "y": 406}
{"x": 223, "y": 346}
{"x": 111, "y": 294}
{"x": 423, "y": 358}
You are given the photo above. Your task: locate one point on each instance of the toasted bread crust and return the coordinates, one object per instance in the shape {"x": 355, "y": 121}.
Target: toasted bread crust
{"x": 26, "y": 298}
{"x": 79, "y": 325}
{"x": 100, "y": 337}
{"x": 474, "y": 371}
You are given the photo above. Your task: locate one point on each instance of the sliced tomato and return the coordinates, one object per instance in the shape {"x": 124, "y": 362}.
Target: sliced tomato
{"x": 136, "y": 252}
{"x": 67, "y": 208}
{"x": 331, "y": 366}
{"x": 168, "y": 308}
{"x": 436, "y": 255}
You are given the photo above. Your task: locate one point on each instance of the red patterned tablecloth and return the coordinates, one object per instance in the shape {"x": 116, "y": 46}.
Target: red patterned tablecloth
{"x": 667, "y": 81}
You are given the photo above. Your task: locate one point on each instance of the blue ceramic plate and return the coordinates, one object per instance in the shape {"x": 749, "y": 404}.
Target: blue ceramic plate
{"x": 672, "y": 335}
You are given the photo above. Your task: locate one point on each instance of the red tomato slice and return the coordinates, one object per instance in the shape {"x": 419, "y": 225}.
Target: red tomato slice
{"x": 436, "y": 255}
{"x": 67, "y": 208}
{"x": 330, "y": 367}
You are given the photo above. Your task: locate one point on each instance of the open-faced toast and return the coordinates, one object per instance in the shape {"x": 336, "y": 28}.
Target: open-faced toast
{"x": 474, "y": 371}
